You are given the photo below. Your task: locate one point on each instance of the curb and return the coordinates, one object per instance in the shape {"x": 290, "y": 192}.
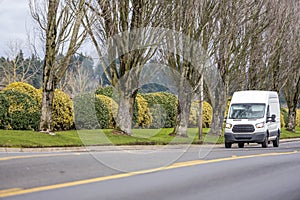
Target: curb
{"x": 116, "y": 148}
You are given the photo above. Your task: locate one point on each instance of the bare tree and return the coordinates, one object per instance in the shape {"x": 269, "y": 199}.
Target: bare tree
{"x": 231, "y": 38}
{"x": 290, "y": 58}
{"x": 79, "y": 78}
{"x": 122, "y": 28}
{"x": 187, "y": 52}
{"x": 60, "y": 22}
{"x": 17, "y": 68}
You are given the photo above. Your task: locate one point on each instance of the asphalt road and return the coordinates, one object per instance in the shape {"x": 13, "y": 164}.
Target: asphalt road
{"x": 189, "y": 172}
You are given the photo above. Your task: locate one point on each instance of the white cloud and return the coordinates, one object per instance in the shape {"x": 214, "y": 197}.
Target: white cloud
{"x": 14, "y": 17}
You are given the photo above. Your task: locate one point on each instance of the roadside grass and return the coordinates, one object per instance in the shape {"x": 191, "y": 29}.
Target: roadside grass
{"x": 73, "y": 138}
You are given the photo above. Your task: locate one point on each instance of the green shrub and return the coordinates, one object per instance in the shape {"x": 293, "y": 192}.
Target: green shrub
{"x": 93, "y": 112}
{"x": 84, "y": 112}
{"x": 206, "y": 116}
{"x": 4, "y": 105}
{"x": 163, "y": 109}
{"x": 284, "y": 113}
{"x": 23, "y": 111}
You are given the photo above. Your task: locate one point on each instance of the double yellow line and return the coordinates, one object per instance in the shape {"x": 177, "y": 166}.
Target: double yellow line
{"x": 19, "y": 191}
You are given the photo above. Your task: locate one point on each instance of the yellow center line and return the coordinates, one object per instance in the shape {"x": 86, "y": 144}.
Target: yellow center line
{"x": 36, "y": 156}
{"x": 8, "y": 193}
{"x": 3, "y": 192}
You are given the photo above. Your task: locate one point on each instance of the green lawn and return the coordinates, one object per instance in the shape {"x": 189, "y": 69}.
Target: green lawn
{"x": 12, "y": 138}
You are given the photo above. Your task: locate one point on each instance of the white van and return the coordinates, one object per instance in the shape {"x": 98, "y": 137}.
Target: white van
{"x": 253, "y": 117}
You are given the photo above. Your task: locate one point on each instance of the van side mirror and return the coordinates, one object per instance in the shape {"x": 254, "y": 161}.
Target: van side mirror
{"x": 271, "y": 119}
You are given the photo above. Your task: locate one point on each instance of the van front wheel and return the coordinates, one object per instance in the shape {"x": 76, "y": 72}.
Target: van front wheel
{"x": 276, "y": 142}
{"x": 228, "y": 144}
{"x": 265, "y": 143}
{"x": 241, "y": 145}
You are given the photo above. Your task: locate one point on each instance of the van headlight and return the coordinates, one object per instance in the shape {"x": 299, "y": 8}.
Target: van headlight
{"x": 260, "y": 125}
{"x": 229, "y": 126}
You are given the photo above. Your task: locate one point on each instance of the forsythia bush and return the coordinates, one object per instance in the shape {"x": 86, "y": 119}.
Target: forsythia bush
{"x": 108, "y": 110}
{"x": 298, "y": 117}
{"x": 62, "y": 113}
{"x": 62, "y": 110}
{"x": 163, "y": 109}
{"x": 284, "y": 113}
{"x": 24, "y": 88}
{"x": 23, "y": 111}
{"x": 25, "y": 93}
{"x": 282, "y": 122}
{"x": 142, "y": 112}
{"x": 194, "y": 114}
{"x": 107, "y": 91}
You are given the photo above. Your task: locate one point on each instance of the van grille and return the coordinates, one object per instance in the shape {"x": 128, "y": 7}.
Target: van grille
{"x": 243, "y": 128}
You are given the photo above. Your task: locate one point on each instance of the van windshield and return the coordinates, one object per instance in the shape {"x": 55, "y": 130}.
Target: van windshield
{"x": 247, "y": 111}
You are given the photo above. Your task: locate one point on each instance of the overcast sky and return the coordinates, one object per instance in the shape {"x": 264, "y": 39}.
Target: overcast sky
{"x": 14, "y": 21}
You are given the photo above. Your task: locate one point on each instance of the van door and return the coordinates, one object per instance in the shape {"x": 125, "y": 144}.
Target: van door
{"x": 272, "y": 125}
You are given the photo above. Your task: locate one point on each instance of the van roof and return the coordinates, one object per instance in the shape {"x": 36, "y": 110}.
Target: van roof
{"x": 253, "y": 96}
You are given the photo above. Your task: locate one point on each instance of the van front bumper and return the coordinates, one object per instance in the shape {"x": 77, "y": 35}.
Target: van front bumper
{"x": 258, "y": 137}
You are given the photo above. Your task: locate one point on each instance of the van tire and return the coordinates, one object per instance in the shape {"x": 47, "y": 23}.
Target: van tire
{"x": 241, "y": 145}
{"x": 276, "y": 141}
{"x": 264, "y": 144}
{"x": 228, "y": 144}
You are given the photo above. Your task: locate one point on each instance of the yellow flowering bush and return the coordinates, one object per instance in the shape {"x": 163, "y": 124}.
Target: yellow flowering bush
{"x": 206, "y": 116}
{"x": 62, "y": 113}
{"x": 24, "y": 88}
{"x": 106, "y": 111}
{"x": 142, "y": 112}
{"x": 23, "y": 112}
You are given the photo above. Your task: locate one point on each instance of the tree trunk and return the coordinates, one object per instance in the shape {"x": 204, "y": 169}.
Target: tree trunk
{"x": 200, "y": 128}
{"x": 292, "y": 119}
{"x": 49, "y": 81}
{"x": 125, "y": 112}
{"x": 219, "y": 106}
{"x": 184, "y": 104}
{"x": 46, "y": 114}
{"x": 182, "y": 118}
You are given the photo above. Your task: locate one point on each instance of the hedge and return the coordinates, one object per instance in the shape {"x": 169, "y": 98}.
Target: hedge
{"x": 163, "y": 109}
{"x": 23, "y": 111}
{"x": 4, "y": 105}
{"x": 206, "y": 116}
{"x": 84, "y": 112}
{"x": 93, "y": 112}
